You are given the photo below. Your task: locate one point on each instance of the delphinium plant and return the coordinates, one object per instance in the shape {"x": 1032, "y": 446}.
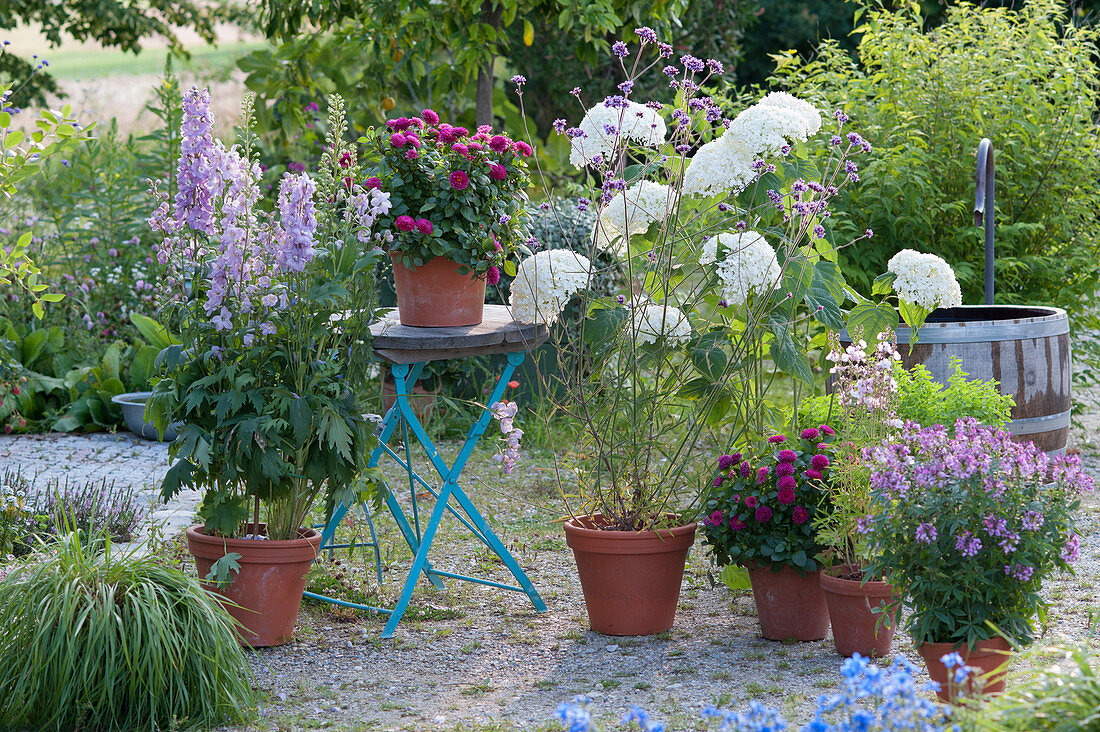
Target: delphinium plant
{"x": 455, "y": 193}
{"x": 969, "y": 525}
{"x": 762, "y": 510}
{"x": 720, "y": 227}
{"x": 275, "y": 310}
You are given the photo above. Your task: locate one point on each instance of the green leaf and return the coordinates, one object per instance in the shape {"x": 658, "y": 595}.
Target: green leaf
{"x": 914, "y": 315}
{"x": 153, "y": 332}
{"x": 872, "y": 319}
{"x": 223, "y": 570}
{"x": 301, "y": 419}
{"x": 786, "y": 355}
{"x": 735, "y": 577}
{"x": 883, "y": 284}
{"x": 334, "y": 431}
{"x": 708, "y": 353}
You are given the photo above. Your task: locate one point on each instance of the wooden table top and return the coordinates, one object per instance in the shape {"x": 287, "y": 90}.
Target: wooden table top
{"x": 496, "y": 333}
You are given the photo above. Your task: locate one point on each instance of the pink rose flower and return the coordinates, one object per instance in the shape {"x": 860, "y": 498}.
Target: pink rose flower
{"x": 405, "y": 223}
{"x": 424, "y": 227}
{"x": 497, "y": 171}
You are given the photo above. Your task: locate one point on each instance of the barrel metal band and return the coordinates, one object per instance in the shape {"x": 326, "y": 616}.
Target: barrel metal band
{"x": 1033, "y": 425}
{"x": 970, "y": 333}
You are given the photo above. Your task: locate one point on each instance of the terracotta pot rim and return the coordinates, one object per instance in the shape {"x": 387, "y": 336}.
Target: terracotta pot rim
{"x": 987, "y": 646}
{"x": 581, "y": 538}
{"x": 854, "y": 588}
{"x": 398, "y": 258}
{"x": 267, "y": 551}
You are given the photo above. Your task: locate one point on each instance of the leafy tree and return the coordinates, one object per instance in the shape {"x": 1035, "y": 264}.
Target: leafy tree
{"x": 116, "y": 23}
{"x": 434, "y": 50}
{"x": 1027, "y": 80}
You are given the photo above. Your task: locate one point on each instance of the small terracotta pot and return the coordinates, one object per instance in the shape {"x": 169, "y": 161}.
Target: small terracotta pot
{"x": 631, "y": 579}
{"x": 421, "y": 400}
{"x": 788, "y": 604}
{"x": 856, "y": 629}
{"x": 436, "y": 295}
{"x": 268, "y": 588}
{"x": 991, "y": 656}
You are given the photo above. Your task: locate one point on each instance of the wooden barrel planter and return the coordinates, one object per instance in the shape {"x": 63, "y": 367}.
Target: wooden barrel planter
{"x": 1025, "y": 348}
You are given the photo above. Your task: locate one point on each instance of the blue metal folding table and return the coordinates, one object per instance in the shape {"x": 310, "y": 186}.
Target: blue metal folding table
{"x": 407, "y": 349}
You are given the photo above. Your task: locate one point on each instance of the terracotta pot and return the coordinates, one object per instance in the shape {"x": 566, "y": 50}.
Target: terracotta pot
{"x": 855, "y": 628}
{"x": 268, "y": 589}
{"x": 421, "y": 400}
{"x": 631, "y": 579}
{"x": 991, "y": 656}
{"x": 788, "y": 604}
{"x": 436, "y": 295}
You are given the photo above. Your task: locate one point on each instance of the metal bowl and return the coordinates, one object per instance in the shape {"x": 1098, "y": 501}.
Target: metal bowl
{"x": 133, "y": 411}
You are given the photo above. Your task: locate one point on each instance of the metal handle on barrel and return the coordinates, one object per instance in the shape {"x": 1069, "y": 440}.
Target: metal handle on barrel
{"x": 983, "y": 208}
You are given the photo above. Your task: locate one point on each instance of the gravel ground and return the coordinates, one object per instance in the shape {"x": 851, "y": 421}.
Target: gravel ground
{"x": 471, "y": 657}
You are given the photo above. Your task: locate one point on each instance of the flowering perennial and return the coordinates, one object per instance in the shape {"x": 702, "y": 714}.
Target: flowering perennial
{"x": 608, "y": 123}
{"x": 975, "y": 509}
{"x": 925, "y": 280}
{"x": 746, "y": 264}
{"x": 762, "y": 512}
{"x": 653, "y": 321}
{"x": 545, "y": 282}
{"x": 505, "y": 413}
{"x": 633, "y": 210}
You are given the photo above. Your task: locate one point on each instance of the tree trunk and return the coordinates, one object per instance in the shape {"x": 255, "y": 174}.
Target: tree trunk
{"x": 485, "y": 80}
{"x": 485, "y": 93}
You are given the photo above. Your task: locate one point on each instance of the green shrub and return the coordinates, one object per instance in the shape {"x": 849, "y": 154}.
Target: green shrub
{"x": 109, "y": 641}
{"x": 1026, "y": 80}
{"x": 927, "y": 402}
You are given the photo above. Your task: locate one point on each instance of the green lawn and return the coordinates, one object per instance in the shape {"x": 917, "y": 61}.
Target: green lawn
{"x": 85, "y": 64}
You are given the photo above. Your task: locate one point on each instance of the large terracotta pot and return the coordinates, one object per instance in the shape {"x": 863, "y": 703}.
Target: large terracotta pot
{"x": 788, "y": 604}
{"x": 856, "y": 629}
{"x": 631, "y": 579}
{"x": 991, "y": 656}
{"x": 436, "y": 295}
{"x": 268, "y": 589}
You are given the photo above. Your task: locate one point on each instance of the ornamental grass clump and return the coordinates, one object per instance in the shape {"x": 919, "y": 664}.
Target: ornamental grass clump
{"x": 763, "y": 511}
{"x": 968, "y": 527}
{"x": 104, "y": 640}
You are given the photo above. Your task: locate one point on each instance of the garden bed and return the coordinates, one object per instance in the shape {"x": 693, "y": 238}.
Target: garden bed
{"x": 475, "y": 658}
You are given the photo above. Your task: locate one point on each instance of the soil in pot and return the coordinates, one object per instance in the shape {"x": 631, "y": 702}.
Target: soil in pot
{"x": 631, "y": 579}
{"x": 267, "y": 591}
{"x": 436, "y": 295}
{"x": 788, "y": 604}
{"x": 990, "y": 656}
{"x": 856, "y": 628}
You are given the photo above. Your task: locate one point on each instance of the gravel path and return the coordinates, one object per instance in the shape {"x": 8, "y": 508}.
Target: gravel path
{"x": 475, "y": 658}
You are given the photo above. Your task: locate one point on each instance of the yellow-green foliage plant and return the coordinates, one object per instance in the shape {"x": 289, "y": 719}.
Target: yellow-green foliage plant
{"x": 110, "y": 641}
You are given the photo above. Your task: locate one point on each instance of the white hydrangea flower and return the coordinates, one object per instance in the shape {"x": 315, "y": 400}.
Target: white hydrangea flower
{"x": 925, "y": 280}
{"x": 545, "y": 282}
{"x": 722, "y": 165}
{"x": 652, "y": 321}
{"x": 632, "y": 211}
{"x": 746, "y": 264}
{"x": 605, "y": 126}
{"x": 725, "y": 165}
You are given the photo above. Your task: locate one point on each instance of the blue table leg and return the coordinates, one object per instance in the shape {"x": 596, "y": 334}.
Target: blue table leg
{"x": 405, "y": 377}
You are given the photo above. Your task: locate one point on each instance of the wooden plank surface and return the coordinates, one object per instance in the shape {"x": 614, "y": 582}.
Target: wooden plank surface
{"x": 496, "y": 333}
